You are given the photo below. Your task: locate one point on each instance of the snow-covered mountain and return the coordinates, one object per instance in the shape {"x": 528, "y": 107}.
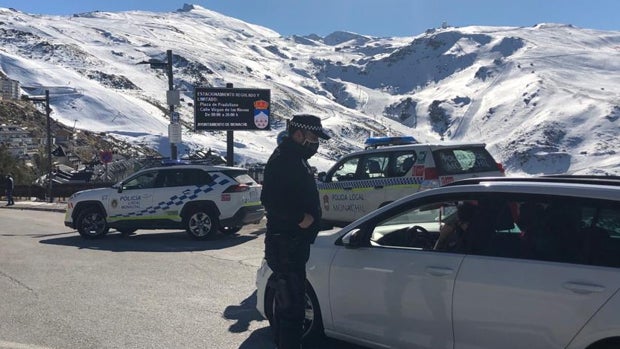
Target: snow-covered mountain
{"x": 544, "y": 98}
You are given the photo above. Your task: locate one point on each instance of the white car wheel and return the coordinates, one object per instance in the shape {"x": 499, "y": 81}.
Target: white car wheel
{"x": 201, "y": 224}
{"x": 313, "y": 324}
{"x": 91, "y": 223}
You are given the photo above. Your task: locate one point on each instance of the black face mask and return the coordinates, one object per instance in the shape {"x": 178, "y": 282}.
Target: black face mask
{"x": 309, "y": 148}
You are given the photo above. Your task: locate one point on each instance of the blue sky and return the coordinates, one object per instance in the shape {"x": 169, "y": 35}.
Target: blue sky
{"x": 370, "y": 17}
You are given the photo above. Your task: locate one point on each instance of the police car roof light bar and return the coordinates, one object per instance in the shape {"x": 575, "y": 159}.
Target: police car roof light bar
{"x": 374, "y": 142}
{"x": 173, "y": 162}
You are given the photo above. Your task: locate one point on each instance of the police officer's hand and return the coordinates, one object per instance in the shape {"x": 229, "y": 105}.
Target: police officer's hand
{"x": 307, "y": 221}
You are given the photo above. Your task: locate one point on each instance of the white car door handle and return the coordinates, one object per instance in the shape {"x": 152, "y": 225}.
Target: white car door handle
{"x": 583, "y": 288}
{"x": 439, "y": 271}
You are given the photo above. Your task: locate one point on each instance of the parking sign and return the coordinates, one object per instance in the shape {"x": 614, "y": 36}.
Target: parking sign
{"x": 232, "y": 109}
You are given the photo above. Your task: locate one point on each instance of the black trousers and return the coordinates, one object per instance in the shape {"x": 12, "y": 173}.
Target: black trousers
{"x": 9, "y": 197}
{"x": 287, "y": 257}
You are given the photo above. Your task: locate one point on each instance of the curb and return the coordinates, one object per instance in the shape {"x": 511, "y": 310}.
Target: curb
{"x": 34, "y": 208}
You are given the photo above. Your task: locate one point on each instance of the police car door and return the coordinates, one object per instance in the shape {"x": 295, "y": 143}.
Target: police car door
{"x": 337, "y": 188}
{"x": 172, "y": 191}
{"x": 371, "y": 193}
{"x": 403, "y": 177}
{"x": 135, "y": 199}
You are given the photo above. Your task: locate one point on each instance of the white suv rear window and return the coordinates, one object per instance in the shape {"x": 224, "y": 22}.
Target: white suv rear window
{"x": 464, "y": 160}
{"x": 242, "y": 177}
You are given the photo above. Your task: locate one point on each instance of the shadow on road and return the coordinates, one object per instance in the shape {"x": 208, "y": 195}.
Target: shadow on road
{"x": 244, "y": 313}
{"x": 149, "y": 241}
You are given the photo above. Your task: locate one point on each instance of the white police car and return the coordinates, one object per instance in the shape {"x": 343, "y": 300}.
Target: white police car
{"x": 392, "y": 167}
{"x": 198, "y": 198}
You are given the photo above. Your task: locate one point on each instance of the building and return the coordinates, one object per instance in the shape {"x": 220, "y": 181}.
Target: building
{"x": 20, "y": 142}
{"x": 9, "y": 89}
{"x": 17, "y": 141}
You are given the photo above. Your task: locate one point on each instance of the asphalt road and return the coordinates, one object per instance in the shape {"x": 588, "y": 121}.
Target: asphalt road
{"x": 155, "y": 289}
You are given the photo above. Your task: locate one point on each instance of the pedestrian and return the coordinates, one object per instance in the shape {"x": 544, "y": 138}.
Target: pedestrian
{"x": 291, "y": 199}
{"x": 9, "y": 185}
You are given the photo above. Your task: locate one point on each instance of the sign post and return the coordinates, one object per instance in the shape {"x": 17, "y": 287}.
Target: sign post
{"x": 230, "y": 142}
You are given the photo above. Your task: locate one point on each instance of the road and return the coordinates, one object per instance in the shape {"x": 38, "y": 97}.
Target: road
{"x": 155, "y": 289}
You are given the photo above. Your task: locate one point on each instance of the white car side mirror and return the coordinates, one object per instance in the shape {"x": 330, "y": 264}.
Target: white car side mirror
{"x": 351, "y": 239}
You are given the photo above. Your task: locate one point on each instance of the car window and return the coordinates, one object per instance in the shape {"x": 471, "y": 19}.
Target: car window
{"x": 609, "y": 219}
{"x": 345, "y": 171}
{"x": 182, "y": 177}
{"x": 464, "y": 160}
{"x": 142, "y": 181}
{"x": 240, "y": 176}
{"x": 169, "y": 178}
{"x": 375, "y": 166}
{"x": 196, "y": 177}
{"x": 415, "y": 227}
{"x": 554, "y": 229}
{"x": 402, "y": 163}
{"x": 602, "y": 240}
{"x": 465, "y": 223}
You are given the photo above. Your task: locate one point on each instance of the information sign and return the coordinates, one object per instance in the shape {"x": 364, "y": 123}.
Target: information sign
{"x": 232, "y": 109}
{"x": 174, "y": 133}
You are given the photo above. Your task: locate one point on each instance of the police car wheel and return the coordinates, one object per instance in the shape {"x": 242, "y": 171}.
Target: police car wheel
{"x": 91, "y": 223}
{"x": 201, "y": 224}
{"x": 230, "y": 230}
{"x": 313, "y": 323}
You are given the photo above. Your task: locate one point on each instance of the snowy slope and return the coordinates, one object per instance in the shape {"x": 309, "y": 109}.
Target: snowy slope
{"x": 543, "y": 98}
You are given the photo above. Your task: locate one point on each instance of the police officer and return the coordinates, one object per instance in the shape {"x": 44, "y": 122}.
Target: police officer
{"x": 291, "y": 199}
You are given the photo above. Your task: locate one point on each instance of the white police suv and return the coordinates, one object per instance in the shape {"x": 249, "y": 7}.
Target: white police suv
{"x": 392, "y": 167}
{"x": 198, "y": 198}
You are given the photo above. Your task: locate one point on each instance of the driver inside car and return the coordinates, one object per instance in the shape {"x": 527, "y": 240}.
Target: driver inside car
{"x": 453, "y": 233}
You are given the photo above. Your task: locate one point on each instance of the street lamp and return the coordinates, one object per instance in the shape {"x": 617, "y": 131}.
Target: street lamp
{"x": 46, "y": 100}
{"x": 172, "y": 96}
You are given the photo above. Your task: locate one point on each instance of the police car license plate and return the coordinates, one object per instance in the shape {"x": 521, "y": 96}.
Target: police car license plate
{"x": 253, "y": 194}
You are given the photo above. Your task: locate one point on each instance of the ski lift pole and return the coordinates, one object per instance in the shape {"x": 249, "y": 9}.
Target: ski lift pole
{"x": 49, "y": 147}
{"x": 173, "y": 146}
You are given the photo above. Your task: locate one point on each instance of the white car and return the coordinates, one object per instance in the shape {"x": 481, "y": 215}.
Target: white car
{"x": 198, "y": 198}
{"x": 381, "y": 283}
{"x": 393, "y": 167}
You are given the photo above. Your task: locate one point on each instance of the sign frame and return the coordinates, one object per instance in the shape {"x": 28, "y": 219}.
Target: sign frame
{"x": 232, "y": 109}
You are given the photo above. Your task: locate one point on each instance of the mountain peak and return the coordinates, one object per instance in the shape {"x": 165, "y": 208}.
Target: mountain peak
{"x": 339, "y": 37}
{"x": 190, "y": 7}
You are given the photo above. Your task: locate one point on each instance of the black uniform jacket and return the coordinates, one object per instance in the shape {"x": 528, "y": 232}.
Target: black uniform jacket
{"x": 289, "y": 191}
